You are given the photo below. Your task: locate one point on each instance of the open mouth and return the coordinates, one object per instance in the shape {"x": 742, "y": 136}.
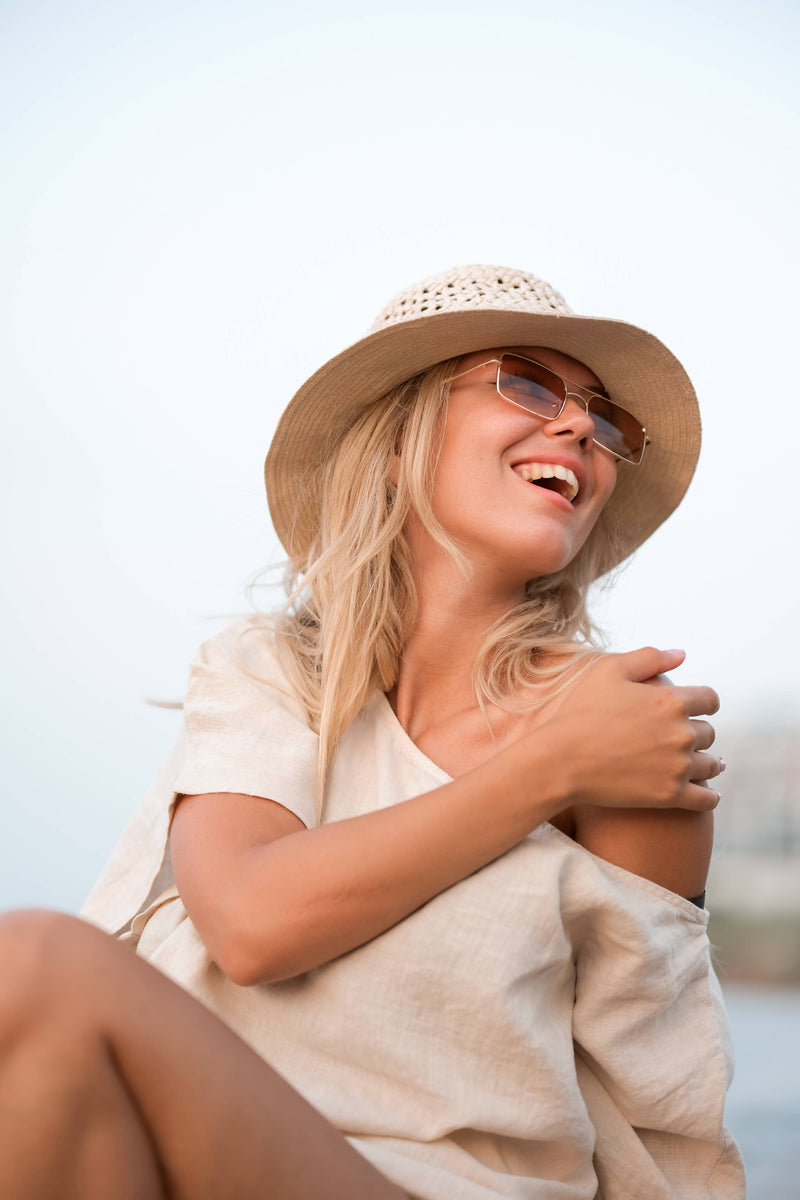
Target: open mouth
{"x": 551, "y": 476}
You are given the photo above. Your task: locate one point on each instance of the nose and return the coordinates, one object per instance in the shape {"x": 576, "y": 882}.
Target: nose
{"x": 573, "y": 421}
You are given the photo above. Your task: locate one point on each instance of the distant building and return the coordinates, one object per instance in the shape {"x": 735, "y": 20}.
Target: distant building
{"x": 754, "y": 881}
{"x": 759, "y": 813}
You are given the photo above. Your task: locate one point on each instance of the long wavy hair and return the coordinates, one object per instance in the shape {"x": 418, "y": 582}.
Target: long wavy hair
{"x": 352, "y": 599}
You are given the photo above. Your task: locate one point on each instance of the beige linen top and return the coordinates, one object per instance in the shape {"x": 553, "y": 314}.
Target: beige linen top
{"x": 550, "y": 1028}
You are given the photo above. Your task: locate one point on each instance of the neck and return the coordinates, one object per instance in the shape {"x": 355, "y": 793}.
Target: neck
{"x": 453, "y": 615}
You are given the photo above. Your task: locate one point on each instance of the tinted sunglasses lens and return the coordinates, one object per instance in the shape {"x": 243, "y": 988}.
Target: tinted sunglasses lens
{"x": 616, "y": 429}
{"x": 530, "y": 386}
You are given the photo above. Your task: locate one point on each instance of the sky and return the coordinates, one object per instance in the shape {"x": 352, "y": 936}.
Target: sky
{"x": 203, "y": 202}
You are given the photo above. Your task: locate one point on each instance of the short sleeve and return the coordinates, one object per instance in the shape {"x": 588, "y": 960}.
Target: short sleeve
{"x": 244, "y": 730}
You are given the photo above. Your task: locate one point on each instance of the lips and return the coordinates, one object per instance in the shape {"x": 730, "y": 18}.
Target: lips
{"x": 555, "y": 477}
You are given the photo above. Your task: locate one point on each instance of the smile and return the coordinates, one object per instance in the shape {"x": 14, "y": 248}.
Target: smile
{"x": 552, "y": 476}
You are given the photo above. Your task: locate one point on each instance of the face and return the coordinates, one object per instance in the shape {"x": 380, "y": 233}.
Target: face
{"x": 486, "y": 492}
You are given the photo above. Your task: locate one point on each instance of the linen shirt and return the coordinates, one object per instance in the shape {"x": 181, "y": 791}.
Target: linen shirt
{"x": 549, "y": 1028}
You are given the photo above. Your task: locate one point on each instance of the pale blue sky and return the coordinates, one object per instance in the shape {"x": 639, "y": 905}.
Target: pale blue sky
{"x": 203, "y": 201}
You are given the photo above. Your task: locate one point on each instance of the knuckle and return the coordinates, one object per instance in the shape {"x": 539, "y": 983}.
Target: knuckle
{"x": 675, "y": 703}
{"x": 669, "y": 788}
{"x": 681, "y": 742}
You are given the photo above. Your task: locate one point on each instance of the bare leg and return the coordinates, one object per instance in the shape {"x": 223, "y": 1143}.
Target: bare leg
{"x": 115, "y": 1082}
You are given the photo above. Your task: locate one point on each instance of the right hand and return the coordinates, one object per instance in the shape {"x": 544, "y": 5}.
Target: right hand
{"x": 627, "y": 744}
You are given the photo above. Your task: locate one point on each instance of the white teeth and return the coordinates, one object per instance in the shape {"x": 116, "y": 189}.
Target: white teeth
{"x": 534, "y": 471}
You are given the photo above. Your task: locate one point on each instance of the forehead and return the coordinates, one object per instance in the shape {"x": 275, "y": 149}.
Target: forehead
{"x": 571, "y": 368}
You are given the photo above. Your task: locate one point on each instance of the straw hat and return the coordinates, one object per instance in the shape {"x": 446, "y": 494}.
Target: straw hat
{"x": 475, "y": 308}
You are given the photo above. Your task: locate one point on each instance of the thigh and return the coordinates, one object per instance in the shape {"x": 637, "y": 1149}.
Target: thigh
{"x": 223, "y": 1124}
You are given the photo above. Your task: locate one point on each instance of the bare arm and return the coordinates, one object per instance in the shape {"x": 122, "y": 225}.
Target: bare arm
{"x": 671, "y": 847}
{"x": 271, "y": 899}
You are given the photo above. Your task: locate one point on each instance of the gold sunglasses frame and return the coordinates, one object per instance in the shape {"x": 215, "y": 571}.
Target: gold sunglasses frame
{"x": 576, "y": 390}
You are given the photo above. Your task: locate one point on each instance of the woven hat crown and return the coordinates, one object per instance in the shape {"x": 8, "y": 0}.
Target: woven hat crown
{"x": 462, "y": 289}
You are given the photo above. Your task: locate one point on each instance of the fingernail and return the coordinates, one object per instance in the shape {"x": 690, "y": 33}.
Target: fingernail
{"x": 723, "y": 766}
{"x": 674, "y": 650}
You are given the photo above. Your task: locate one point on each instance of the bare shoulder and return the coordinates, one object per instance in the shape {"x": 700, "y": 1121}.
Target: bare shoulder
{"x": 671, "y": 847}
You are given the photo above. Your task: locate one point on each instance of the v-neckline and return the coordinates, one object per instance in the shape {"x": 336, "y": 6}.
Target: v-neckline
{"x": 407, "y": 742}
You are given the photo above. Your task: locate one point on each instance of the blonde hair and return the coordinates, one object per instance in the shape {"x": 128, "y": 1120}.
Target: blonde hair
{"x": 352, "y": 599}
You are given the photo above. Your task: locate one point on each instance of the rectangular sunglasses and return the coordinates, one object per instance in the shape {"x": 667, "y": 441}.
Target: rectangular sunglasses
{"x": 541, "y": 391}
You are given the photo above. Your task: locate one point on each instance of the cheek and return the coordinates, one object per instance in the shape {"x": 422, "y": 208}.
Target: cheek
{"x": 467, "y": 490}
{"x": 604, "y": 483}
{"x": 605, "y": 479}
{"x": 454, "y": 487}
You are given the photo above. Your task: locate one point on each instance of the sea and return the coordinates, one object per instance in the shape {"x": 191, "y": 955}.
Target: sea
{"x": 763, "y": 1111}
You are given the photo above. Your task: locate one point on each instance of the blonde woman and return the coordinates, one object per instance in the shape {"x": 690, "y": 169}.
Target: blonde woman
{"x": 423, "y": 879}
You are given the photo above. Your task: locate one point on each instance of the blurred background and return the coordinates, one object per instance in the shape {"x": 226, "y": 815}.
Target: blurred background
{"x": 202, "y": 202}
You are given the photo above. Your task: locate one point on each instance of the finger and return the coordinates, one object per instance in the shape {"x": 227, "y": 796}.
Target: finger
{"x": 698, "y": 798}
{"x": 705, "y": 766}
{"x": 660, "y": 681}
{"x": 699, "y": 700}
{"x": 704, "y": 734}
{"x": 643, "y": 664}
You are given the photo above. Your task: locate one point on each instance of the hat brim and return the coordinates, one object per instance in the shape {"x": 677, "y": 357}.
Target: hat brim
{"x": 637, "y": 370}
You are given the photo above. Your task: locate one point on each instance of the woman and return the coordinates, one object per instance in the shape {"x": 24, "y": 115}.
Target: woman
{"x": 435, "y": 859}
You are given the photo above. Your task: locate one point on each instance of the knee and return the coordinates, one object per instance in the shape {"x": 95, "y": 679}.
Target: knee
{"x": 47, "y": 963}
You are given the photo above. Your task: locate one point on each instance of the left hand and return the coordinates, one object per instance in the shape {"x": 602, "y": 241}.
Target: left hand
{"x": 704, "y": 766}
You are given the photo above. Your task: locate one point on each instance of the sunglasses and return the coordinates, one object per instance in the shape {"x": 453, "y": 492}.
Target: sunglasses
{"x": 541, "y": 391}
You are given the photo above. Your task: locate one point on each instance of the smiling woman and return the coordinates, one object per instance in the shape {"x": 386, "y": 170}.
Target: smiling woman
{"x": 428, "y": 860}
